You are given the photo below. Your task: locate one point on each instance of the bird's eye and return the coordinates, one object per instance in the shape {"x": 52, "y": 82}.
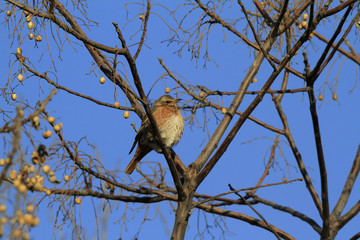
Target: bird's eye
{"x": 168, "y": 101}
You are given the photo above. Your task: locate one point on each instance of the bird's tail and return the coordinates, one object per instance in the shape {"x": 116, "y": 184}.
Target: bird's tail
{"x": 139, "y": 154}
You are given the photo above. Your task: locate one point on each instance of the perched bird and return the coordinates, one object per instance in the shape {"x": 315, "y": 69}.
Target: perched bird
{"x": 171, "y": 126}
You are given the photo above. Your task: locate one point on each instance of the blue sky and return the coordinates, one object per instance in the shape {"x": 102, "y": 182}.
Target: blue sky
{"x": 243, "y": 163}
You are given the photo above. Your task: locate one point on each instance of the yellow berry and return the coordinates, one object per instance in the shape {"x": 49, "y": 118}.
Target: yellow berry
{"x": 16, "y": 183}
{"x": 30, "y": 208}
{"x": 48, "y": 192}
{"x": 51, "y": 119}
{"x": 20, "y": 77}
{"x": 102, "y": 80}
{"x": 47, "y": 134}
{"x": 31, "y": 169}
{"x": 57, "y": 127}
{"x": 61, "y": 125}
{"x": 26, "y": 236}
{"x": 22, "y": 188}
{"x": 51, "y": 173}
{"x": 28, "y": 18}
{"x": 30, "y": 25}
{"x": 2, "y": 162}
{"x": 8, "y": 13}
{"x": 16, "y": 233}
{"x": 107, "y": 185}
{"x": 2, "y": 208}
{"x": 167, "y": 90}
{"x": 35, "y": 221}
{"x": 78, "y": 200}
{"x": 19, "y": 51}
{"x": 305, "y": 16}
{"x": 38, "y": 38}
{"x": 13, "y": 96}
{"x": 126, "y": 114}
{"x": 117, "y": 104}
{"x": 4, "y": 220}
{"x": 36, "y": 119}
{"x": 223, "y": 110}
{"x": 300, "y": 27}
{"x": 142, "y": 17}
{"x": 334, "y": 96}
{"x": 304, "y": 24}
{"x": 66, "y": 178}
{"x": 46, "y": 169}
{"x": 26, "y": 13}
{"x": 321, "y": 97}
{"x": 13, "y": 174}
{"x": 31, "y": 36}
{"x": 53, "y": 179}
{"x": 38, "y": 187}
{"x": 201, "y": 94}
{"x": 28, "y": 218}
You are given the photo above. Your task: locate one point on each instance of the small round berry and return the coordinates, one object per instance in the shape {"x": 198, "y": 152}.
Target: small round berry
{"x": 53, "y": 179}
{"x": 31, "y": 168}
{"x": 30, "y": 208}
{"x": 305, "y": 16}
{"x": 13, "y": 174}
{"x": 66, "y": 178}
{"x": 78, "y": 200}
{"x": 126, "y": 114}
{"x": 20, "y": 77}
{"x": 30, "y": 25}
{"x": 51, "y": 119}
{"x": 201, "y": 94}
{"x": 223, "y": 110}
{"x": 8, "y": 13}
{"x": 35, "y": 221}
{"x": 46, "y": 169}
{"x": 57, "y": 127}
{"x": 28, "y": 18}
{"x": 31, "y": 36}
{"x": 117, "y": 104}
{"x": 22, "y": 188}
{"x": 38, "y": 38}
{"x": 2, "y": 208}
{"x": 142, "y": 17}
{"x": 28, "y": 218}
{"x": 102, "y": 80}
{"x": 16, "y": 233}
{"x": 334, "y": 96}
{"x": 13, "y": 96}
{"x": 47, "y": 134}
{"x": 167, "y": 90}
{"x": 19, "y": 51}
{"x": 304, "y": 24}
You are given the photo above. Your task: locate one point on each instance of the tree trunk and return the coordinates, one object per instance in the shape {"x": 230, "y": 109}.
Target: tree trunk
{"x": 183, "y": 212}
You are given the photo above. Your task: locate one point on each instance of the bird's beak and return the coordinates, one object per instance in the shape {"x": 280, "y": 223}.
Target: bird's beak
{"x": 177, "y": 100}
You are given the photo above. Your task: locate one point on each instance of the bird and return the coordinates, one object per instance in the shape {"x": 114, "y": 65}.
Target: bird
{"x": 171, "y": 127}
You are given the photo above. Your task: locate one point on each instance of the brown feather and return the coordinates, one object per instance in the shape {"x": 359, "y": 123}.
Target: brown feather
{"x": 139, "y": 154}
